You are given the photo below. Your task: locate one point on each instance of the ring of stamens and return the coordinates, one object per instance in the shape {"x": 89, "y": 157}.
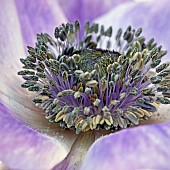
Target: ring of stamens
{"x": 82, "y": 86}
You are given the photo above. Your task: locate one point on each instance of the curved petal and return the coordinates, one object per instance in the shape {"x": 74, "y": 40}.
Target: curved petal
{"x": 152, "y": 16}
{"x": 11, "y": 43}
{"x": 24, "y": 148}
{"x": 38, "y": 16}
{"x": 144, "y": 147}
{"x": 22, "y": 108}
{"x": 84, "y": 10}
{"x": 16, "y": 99}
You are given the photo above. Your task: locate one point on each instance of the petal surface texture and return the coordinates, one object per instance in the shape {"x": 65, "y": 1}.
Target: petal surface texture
{"x": 84, "y": 10}
{"x": 144, "y": 147}
{"x": 12, "y": 96}
{"x": 152, "y": 16}
{"x": 24, "y": 148}
{"x": 38, "y": 16}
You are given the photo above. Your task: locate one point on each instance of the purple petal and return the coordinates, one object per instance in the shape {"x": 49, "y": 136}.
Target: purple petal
{"x": 11, "y": 43}
{"x": 15, "y": 98}
{"x": 22, "y": 147}
{"x": 38, "y": 16}
{"x": 144, "y": 147}
{"x": 152, "y": 16}
{"x": 84, "y": 10}
{"x": 77, "y": 153}
{"x": 11, "y": 50}
{"x": 23, "y": 109}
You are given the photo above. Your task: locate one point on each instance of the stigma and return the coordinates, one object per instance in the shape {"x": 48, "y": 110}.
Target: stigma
{"x": 84, "y": 84}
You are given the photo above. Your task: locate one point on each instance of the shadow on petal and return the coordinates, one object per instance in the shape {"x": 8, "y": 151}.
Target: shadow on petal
{"x": 38, "y": 16}
{"x": 144, "y": 147}
{"x": 77, "y": 153}
{"x": 18, "y": 100}
{"x": 22, "y": 147}
{"x": 35, "y": 119}
{"x": 87, "y": 10}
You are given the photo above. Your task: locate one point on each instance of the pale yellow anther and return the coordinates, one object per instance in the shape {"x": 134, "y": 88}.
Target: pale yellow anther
{"x": 86, "y": 75}
{"x": 94, "y": 120}
{"x": 147, "y": 113}
{"x": 79, "y": 120}
{"x": 139, "y": 114}
{"x": 109, "y": 121}
{"x": 98, "y": 119}
{"x": 55, "y": 101}
{"x": 155, "y": 104}
{"x": 43, "y": 98}
{"x": 140, "y": 65}
{"x": 145, "y": 51}
{"x": 59, "y": 116}
{"x": 85, "y": 124}
{"x": 77, "y": 95}
{"x": 92, "y": 83}
{"x": 114, "y": 102}
{"x": 137, "y": 56}
{"x": 38, "y": 105}
{"x": 92, "y": 73}
{"x": 94, "y": 126}
{"x": 91, "y": 126}
{"x": 86, "y": 128}
{"x": 64, "y": 118}
{"x": 102, "y": 121}
{"x": 122, "y": 95}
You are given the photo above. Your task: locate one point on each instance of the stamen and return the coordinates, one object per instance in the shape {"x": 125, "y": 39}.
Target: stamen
{"x": 81, "y": 86}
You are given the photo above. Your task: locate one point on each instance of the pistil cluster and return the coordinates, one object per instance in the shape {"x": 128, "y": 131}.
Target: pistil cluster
{"x": 84, "y": 85}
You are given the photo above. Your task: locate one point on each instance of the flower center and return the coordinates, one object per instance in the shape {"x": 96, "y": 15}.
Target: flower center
{"x": 82, "y": 86}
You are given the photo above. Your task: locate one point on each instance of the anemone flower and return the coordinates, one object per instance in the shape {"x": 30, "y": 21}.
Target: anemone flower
{"x": 82, "y": 83}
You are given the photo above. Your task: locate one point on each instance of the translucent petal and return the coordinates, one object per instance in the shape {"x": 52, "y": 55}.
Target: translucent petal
{"x": 37, "y": 17}
{"x": 87, "y": 9}
{"x": 151, "y": 15}
{"x": 22, "y": 147}
{"x": 144, "y": 147}
{"x": 12, "y": 95}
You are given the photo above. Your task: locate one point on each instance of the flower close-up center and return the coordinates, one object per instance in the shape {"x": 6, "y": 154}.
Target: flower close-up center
{"x": 86, "y": 81}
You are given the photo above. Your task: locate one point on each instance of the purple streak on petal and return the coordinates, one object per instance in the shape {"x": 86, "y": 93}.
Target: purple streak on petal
{"x": 11, "y": 49}
{"x": 84, "y": 10}
{"x": 152, "y": 16}
{"x": 17, "y": 99}
{"x": 77, "y": 153}
{"x": 22, "y": 147}
{"x": 144, "y": 147}
{"x": 38, "y": 16}
{"x": 11, "y": 44}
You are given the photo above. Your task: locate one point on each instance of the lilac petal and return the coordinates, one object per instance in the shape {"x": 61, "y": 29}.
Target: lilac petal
{"x": 38, "y": 16}
{"x": 144, "y": 147}
{"x": 152, "y": 16}
{"x": 11, "y": 44}
{"x": 22, "y": 147}
{"x": 15, "y": 98}
{"x": 84, "y": 10}
{"x": 77, "y": 153}
{"x": 23, "y": 109}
